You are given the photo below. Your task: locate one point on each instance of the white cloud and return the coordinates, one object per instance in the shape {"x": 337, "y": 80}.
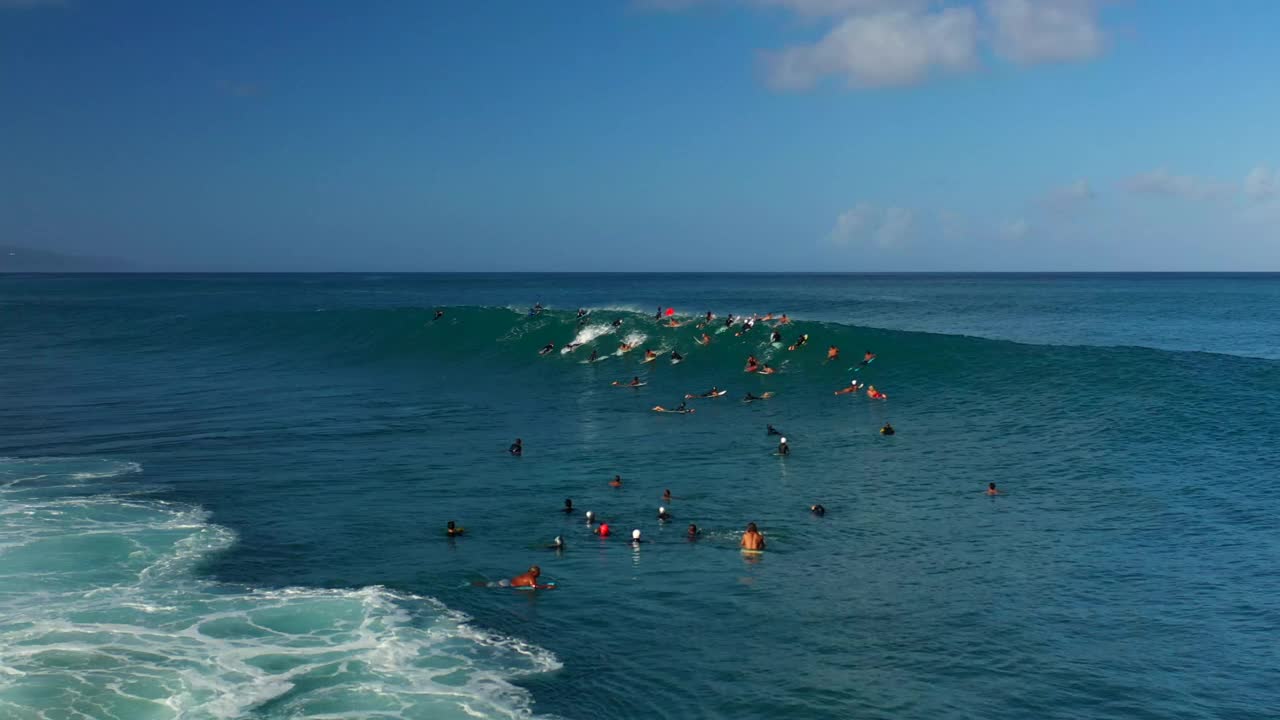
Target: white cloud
{"x": 1262, "y": 183}
{"x": 865, "y": 224}
{"x": 1033, "y": 31}
{"x": 880, "y": 49}
{"x": 1163, "y": 182}
{"x": 1070, "y": 196}
{"x": 1014, "y": 229}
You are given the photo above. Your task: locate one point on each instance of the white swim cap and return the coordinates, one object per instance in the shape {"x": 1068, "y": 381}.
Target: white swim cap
{"x": 635, "y": 534}
{"x": 590, "y": 514}
{"x": 783, "y": 440}
{"x": 661, "y": 510}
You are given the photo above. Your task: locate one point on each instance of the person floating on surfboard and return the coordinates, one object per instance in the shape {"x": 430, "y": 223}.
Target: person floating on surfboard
{"x": 453, "y": 530}
{"x": 439, "y": 314}
{"x": 547, "y": 348}
{"x": 887, "y": 429}
{"x": 752, "y": 539}
{"x": 752, "y": 397}
{"x": 768, "y": 369}
{"x": 875, "y": 394}
{"x": 594, "y": 356}
{"x": 866, "y": 359}
{"x": 529, "y": 579}
{"x": 625, "y": 347}
{"x": 800, "y": 341}
{"x": 752, "y": 364}
{"x": 649, "y": 355}
{"x": 775, "y": 336}
{"x": 712, "y": 393}
{"x": 853, "y": 387}
{"x": 771, "y": 430}
{"x": 833, "y": 353}
{"x": 617, "y": 322}
{"x": 705, "y": 339}
{"x": 676, "y": 356}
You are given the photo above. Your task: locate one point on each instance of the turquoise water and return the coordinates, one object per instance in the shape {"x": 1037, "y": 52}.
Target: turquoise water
{"x": 224, "y": 497}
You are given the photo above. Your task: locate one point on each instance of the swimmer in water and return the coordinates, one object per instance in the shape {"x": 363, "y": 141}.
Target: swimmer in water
{"x": 439, "y": 314}
{"x": 529, "y": 579}
{"x": 694, "y": 532}
{"x": 635, "y": 537}
{"x": 818, "y": 510}
{"x": 710, "y": 316}
{"x": 666, "y": 495}
{"x": 453, "y": 530}
{"x": 752, "y": 539}
{"x": 771, "y": 430}
{"x": 991, "y": 489}
{"x": 875, "y": 394}
{"x": 784, "y": 319}
{"x": 547, "y": 348}
{"x": 591, "y": 518}
{"x": 616, "y": 482}
{"x": 568, "y": 506}
{"x": 853, "y": 387}
{"x": 602, "y": 530}
{"x": 663, "y": 515}
{"x": 517, "y": 448}
{"x": 557, "y": 544}
{"x": 887, "y": 429}
{"x": 635, "y": 381}
{"x": 833, "y": 352}
{"x": 783, "y": 448}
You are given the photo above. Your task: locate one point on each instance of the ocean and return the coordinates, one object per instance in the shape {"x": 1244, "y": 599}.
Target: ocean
{"x": 225, "y": 496}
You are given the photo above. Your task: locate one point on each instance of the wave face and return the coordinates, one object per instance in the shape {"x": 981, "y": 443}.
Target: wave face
{"x": 104, "y": 617}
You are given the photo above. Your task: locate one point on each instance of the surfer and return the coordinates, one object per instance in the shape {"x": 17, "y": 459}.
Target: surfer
{"x": 771, "y": 430}
{"x": 676, "y": 356}
{"x": 617, "y": 322}
{"x": 582, "y": 312}
{"x": 439, "y": 314}
{"x": 663, "y": 515}
{"x": 867, "y": 357}
{"x": 833, "y": 352}
{"x": 571, "y": 347}
{"x": 694, "y": 532}
{"x": 705, "y": 339}
{"x": 568, "y": 506}
{"x": 800, "y": 341}
{"x": 728, "y": 321}
{"x": 854, "y": 386}
{"x": 783, "y": 448}
{"x": 453, "y": 530}
{"x": 547, "y": 348}
{"x": 752, "y": 539}
{"x": 784, "y": 320}
{"x": 875, "y": 394}
{"x": 752, "y": 397}
{"x": 625, "y": 347}
{"x": 650, "y": 355}
{"x": 887, "y": 429}
{"x": 713, "y": 392}
{"x": 616, "y": 482}
{"x": 752, "y": 364}
{"x": 529, "y": 579}
{"x": 991, "y": 489}
{"x": 710, "y": 316}
{"x": 594, "y": 356}
{"x": 768, "y": 369}
{"x": 517, "y": 448}
{"x": 775, "y": 336}
{"x": 635, "y": 382}
{"x": 818, "y": 510}
{"x": 658, "y": 315}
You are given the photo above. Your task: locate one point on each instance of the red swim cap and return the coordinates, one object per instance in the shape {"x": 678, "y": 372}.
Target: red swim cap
{"x": 671, "y": 311}
{"x": 604, "y": 529}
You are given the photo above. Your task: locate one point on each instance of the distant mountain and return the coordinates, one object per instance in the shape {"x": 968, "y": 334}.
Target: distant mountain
{"x": 20, "y": 259}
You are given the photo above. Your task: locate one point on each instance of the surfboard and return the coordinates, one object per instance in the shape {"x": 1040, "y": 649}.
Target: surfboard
{"x": 701, "y": 397}
{"x": 677, "y": 362}
{"x": 752, "y": 552}
{"x": 548, "y": 586}
{"x": 649, "y": 360}
{"x": 615, "y": 383}
{"x": 660, "y": 409}
{"x": 765, "y": 396}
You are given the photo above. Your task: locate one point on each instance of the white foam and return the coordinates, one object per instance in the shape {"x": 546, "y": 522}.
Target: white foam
{"x": 125, "y": 629}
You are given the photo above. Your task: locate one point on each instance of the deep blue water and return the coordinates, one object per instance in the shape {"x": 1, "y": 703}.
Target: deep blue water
{"x": 225, "y": 496}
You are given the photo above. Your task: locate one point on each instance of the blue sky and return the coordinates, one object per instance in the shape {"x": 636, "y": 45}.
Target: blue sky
{"x": 664, "y": 135}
